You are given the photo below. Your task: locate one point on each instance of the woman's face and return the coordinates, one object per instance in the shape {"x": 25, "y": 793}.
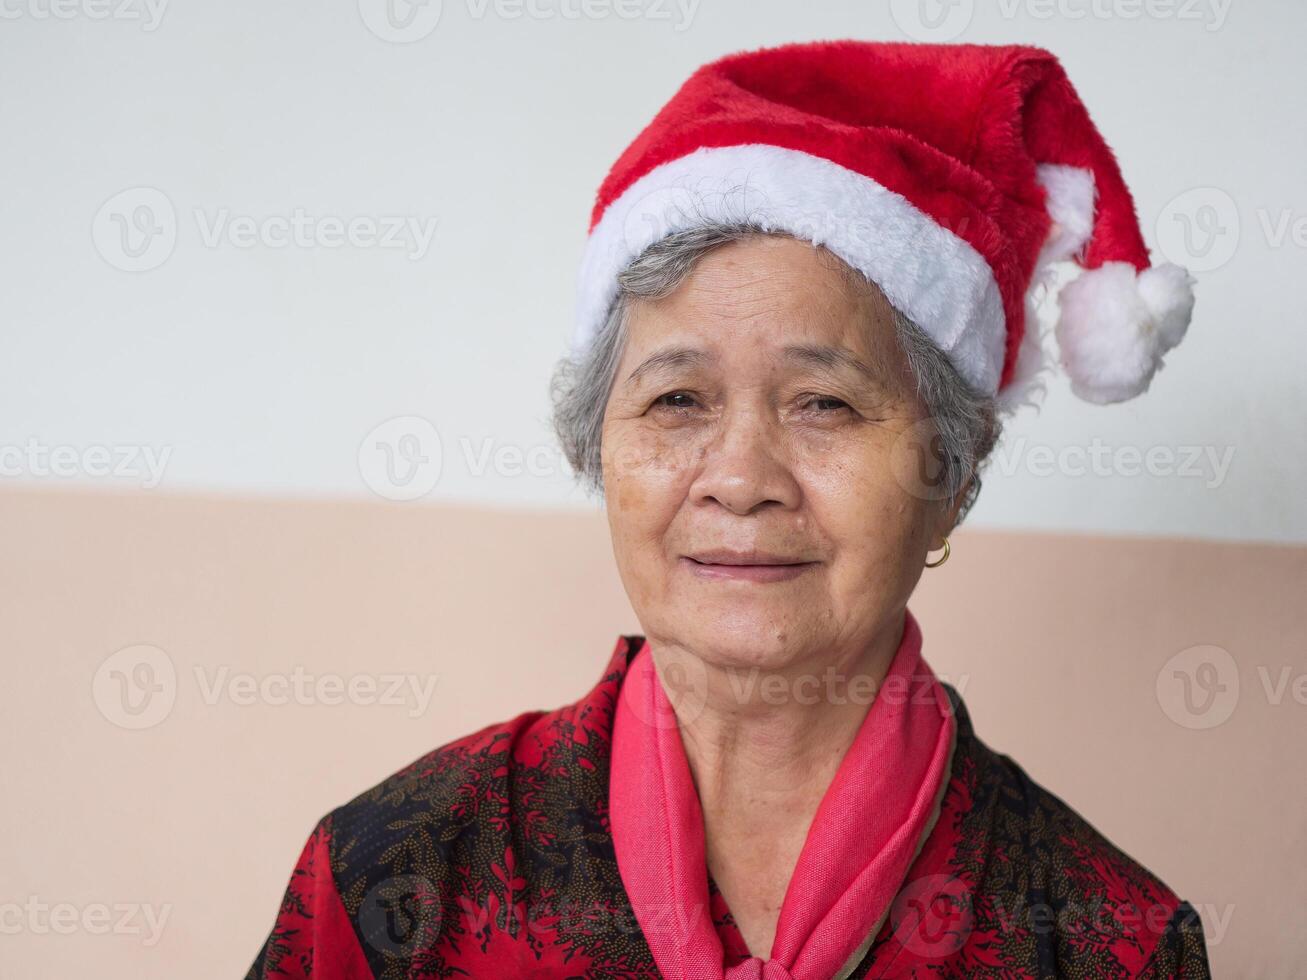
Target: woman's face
{"x": 766, "y": 407}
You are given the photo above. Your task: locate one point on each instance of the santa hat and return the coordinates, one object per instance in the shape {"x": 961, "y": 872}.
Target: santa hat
{"x": 952, "y": 176}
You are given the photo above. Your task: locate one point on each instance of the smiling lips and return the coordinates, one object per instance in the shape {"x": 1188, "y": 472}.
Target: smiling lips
{"x": 749, "y": 566}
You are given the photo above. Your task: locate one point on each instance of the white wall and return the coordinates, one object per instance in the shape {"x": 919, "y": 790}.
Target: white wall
{"x": 262, "y": 369}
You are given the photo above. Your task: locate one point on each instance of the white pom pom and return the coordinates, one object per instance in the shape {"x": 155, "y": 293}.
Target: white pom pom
{"x": 1115, "y": 325}
{"x": 1168, "y": 293}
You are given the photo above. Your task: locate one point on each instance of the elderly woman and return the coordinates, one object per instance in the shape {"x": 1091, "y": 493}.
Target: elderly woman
{"x": 807, "y": 297}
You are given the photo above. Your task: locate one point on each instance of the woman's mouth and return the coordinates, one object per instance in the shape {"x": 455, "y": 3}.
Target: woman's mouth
{"x": 745, "y": 566}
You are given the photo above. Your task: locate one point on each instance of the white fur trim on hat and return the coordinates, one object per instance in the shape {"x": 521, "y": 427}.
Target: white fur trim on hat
{"x": 929, "y": 273}
{"x": 1070, "y": 205}
{"x": 1069, "y": 201}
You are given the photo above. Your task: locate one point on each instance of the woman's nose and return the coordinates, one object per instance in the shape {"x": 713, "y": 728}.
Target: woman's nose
{"x": 744, "y": 466}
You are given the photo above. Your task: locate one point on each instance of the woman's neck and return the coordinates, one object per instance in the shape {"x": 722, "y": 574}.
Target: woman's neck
{"x": 751, "y": 732}
{"x": 763, "y": 748}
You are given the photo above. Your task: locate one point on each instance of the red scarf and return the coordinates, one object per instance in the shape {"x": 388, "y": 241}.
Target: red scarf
{"x": 870, "y": 825}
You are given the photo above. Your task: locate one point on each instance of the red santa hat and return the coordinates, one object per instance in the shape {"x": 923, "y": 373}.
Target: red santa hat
{"x": 952, "y": 176}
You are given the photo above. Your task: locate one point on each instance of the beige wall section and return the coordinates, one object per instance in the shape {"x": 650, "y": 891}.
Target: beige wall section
{"x": 1057, "y": 643}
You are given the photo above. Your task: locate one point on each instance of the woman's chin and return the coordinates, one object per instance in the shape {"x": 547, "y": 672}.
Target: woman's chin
{"x": 747, "y": 636}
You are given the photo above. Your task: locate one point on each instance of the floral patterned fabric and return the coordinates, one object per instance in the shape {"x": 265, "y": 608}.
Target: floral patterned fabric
{"x": 492, "y": 856}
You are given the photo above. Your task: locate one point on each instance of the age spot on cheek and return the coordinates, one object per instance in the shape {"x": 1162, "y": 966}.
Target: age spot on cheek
{"x": 655, "y": 457}
{"x": 626, "y": 495}
{"x": 630, "y": 472}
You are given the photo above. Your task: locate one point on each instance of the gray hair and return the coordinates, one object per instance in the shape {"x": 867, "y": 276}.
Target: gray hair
{"x": 966, "y": 421}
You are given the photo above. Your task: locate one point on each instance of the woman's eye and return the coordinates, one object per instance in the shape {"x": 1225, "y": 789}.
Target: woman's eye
{"x": 825, "y": 403}
{"x": 676, "y": 399}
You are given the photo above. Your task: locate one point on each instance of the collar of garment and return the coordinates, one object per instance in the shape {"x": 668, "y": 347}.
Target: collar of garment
{"x": 871, "y": 823}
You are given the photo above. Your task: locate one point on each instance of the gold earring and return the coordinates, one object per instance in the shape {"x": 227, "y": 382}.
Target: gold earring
{"x": 942, "y": 558}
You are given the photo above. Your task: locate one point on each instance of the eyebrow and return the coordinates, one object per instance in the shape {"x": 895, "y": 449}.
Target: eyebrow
{"x": 834, "y": 359}
{"x": 812, "y": 355}
{"x": 669, "y": 358}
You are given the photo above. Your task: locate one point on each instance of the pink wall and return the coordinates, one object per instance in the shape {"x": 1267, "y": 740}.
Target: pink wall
{"x": 1057, "y": 643}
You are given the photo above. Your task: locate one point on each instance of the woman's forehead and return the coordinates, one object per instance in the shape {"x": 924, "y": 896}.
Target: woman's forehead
{"x": 766, "y": 294}
{"x": 771, "y": 265}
